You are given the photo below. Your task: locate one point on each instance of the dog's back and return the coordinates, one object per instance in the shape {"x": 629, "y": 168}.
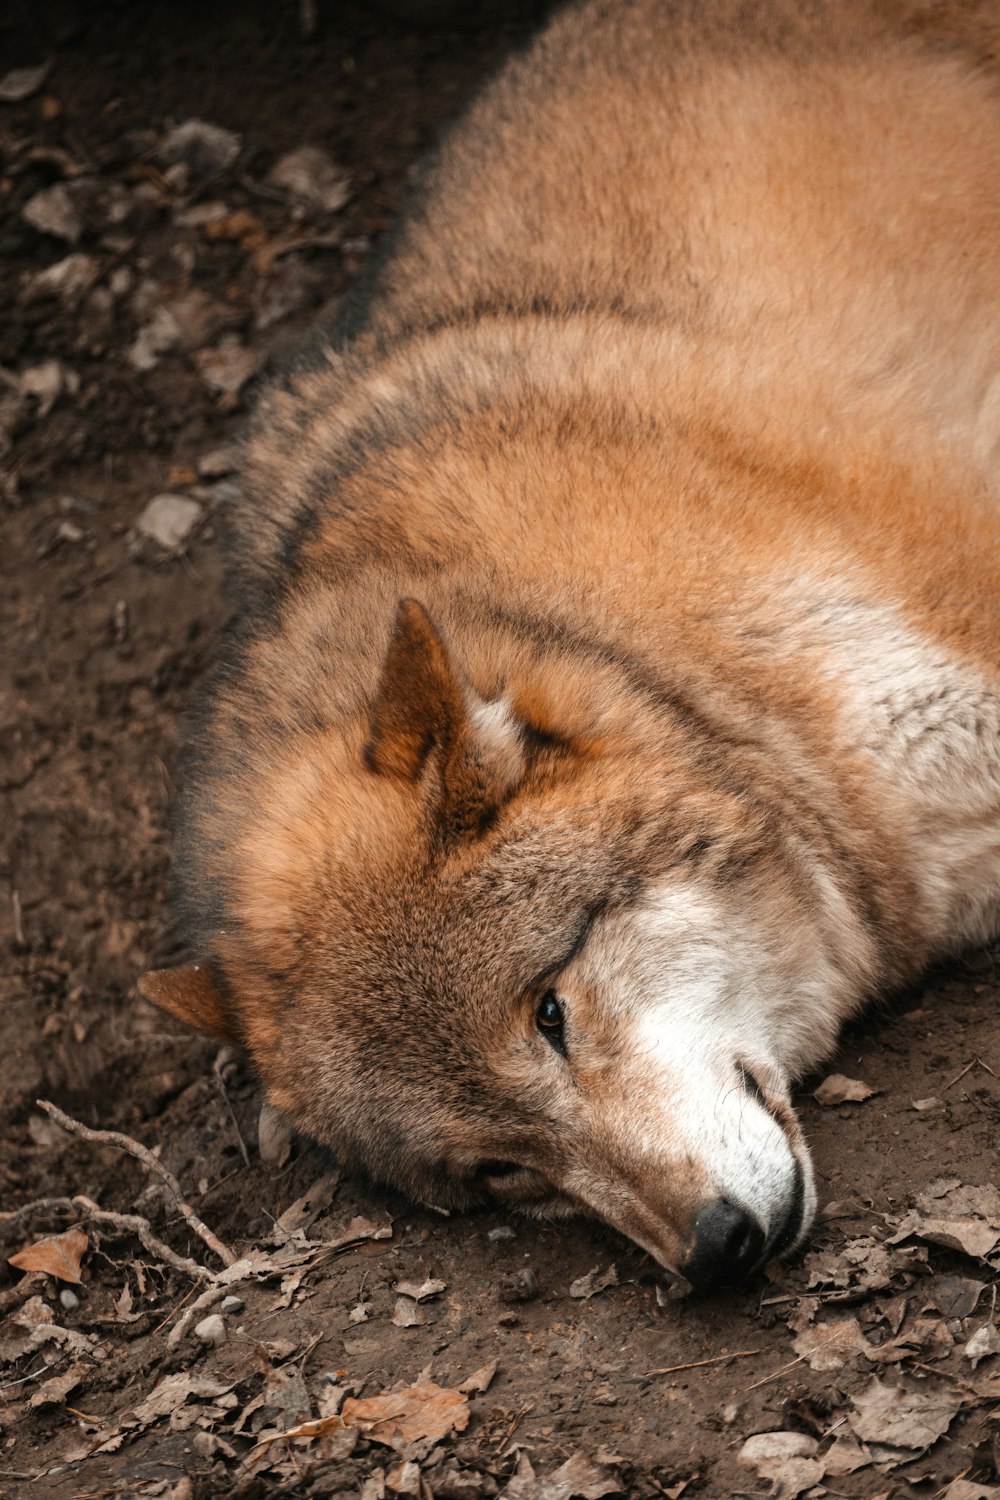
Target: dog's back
{"x": 676, "y": 409}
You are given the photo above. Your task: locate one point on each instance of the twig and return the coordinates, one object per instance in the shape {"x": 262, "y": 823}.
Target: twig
{"x": 959, "y": 1076}
{"x": 15, "y": 901}
{"x": 102, "y": 1218}
{"x": 39, "y": 1205}
{"x": 15, "y": 1295}
{"x": 697, "y": 1364}
{"x": 133, "y": 1224}
{"x": 144, "y": 1155}
{"x": 221, "y": 1281}
{"x": 790, "y": 1366}
{"x": 176, "y": 1308}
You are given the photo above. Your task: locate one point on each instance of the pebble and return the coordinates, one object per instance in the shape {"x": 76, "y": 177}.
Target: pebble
{"x": 21, "y": 83}
{"x": 51, "y": 211}
{"x": 68, "y": 1299}
{"x": 211, "y": 1330}
{"x": 232, "y": 1305}
{"x": 520, "y": 1288}
{"x": 503, "y": 1233}
{"x": 169, "y": 520}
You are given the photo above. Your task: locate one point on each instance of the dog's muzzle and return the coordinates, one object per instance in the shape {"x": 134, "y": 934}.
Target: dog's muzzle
{"x": 729, "y": 1243}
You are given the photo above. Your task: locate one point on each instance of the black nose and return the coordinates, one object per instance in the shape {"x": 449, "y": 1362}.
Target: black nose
{"x": 727, "y": 1244}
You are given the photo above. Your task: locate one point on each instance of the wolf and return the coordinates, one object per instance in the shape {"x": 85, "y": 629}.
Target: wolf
{"x": 614, "y": 706}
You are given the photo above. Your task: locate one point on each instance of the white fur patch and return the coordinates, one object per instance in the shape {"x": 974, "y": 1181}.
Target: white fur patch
{"x": 930, "y": 725}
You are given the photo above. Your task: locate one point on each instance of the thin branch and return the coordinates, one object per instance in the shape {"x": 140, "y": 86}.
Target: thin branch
{"x": 86, "y": 1210}
{"x": 144, "y": 1155}
{"x": 718, "y": 1359}
{"x": 103, "y": 1218}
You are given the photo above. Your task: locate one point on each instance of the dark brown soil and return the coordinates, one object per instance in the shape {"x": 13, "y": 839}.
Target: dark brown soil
{"x": 103, "y": 640}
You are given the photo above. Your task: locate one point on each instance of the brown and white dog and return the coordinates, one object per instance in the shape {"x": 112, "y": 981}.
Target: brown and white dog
{"x": 616, "y": 703}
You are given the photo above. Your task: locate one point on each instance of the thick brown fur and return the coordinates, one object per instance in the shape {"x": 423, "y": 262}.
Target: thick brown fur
{"x": 640, "y": 554}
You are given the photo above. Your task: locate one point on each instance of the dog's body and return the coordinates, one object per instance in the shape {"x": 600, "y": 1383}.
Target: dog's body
{"x": 674, "y": 423}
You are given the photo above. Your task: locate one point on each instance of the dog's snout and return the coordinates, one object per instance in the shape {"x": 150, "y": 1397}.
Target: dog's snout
{"x": 728, "y": 1242}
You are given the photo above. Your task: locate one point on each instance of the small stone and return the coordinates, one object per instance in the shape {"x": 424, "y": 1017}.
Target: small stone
{"x": 69, "y": 1300}
{"x": 508, "y": 1320}
{"x": 69, "y": 531}
{"x": 495, "y": 1236}
{"x": 51, "y": 211}
{"x": 211, "y": 1330}
{"x": 21, "y": 83}
{"x": 522, "y": 1287}
{"x": 169, "y": 521}
{"x": 232, "y": 1305}
{"x": 312, "y": 177}
{"x": 204, "y": 149}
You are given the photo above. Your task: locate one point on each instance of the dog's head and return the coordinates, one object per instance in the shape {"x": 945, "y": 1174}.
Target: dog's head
{"x": 491, "y": 949}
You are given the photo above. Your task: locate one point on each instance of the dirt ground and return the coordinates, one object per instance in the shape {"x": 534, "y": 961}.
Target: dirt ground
{"x": 148, "y": 282}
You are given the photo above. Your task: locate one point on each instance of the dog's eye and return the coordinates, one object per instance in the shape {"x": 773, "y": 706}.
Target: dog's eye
{"x": 497, "y": 1169}
{"x": 549, "y": 1020}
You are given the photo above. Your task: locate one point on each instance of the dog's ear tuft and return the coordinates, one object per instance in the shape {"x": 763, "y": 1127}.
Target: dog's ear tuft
{"x": 419, "y": 705}
{"x": 194, "y": 994}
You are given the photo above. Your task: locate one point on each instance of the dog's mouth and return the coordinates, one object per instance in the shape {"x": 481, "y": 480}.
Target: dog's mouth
{"x": 789, "y": 1231}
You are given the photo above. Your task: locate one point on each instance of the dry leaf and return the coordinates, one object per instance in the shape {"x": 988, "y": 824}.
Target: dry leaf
{"x": 579, "y": 1478}
{"x": 590, "y": 1285}
{"x": 983, "y": 1343}
{"x": 300, "y": 1214}
{"x": 836, "y": 1089}
{"x": 951, "y": 1296}
{"x": 406, "y": 1313}
{"x": 422, "y": 1292}
{"x": 58, "y": 1256}
{"x": 53, "y": 1392}
{"x": 846, "y": 1455}
{"x": 964, "y": 1489}
{"x": 973, "y": 1236}
{"x": 829, "y": 1346}
{"x": 480, "y": 1380}
{"x": 172, "y": 1392}
{"x": 788, "y": 1459}
{"x": 400, "y": 1417}
{"x": 902, "y": 1418}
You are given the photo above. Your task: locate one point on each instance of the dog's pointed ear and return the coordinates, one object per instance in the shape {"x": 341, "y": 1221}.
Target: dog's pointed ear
{"x": 194, "y": 994}
{"x": 419, "y": 704}
{"x": 423, "y": 706}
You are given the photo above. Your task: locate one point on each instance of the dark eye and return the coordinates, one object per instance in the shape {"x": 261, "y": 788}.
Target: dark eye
{"x": 497, "y": 1169}
{"x": 549, "y": 1020}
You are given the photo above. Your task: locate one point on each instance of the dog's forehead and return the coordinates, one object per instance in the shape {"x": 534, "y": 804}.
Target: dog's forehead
{"x": 497, "y": 922}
